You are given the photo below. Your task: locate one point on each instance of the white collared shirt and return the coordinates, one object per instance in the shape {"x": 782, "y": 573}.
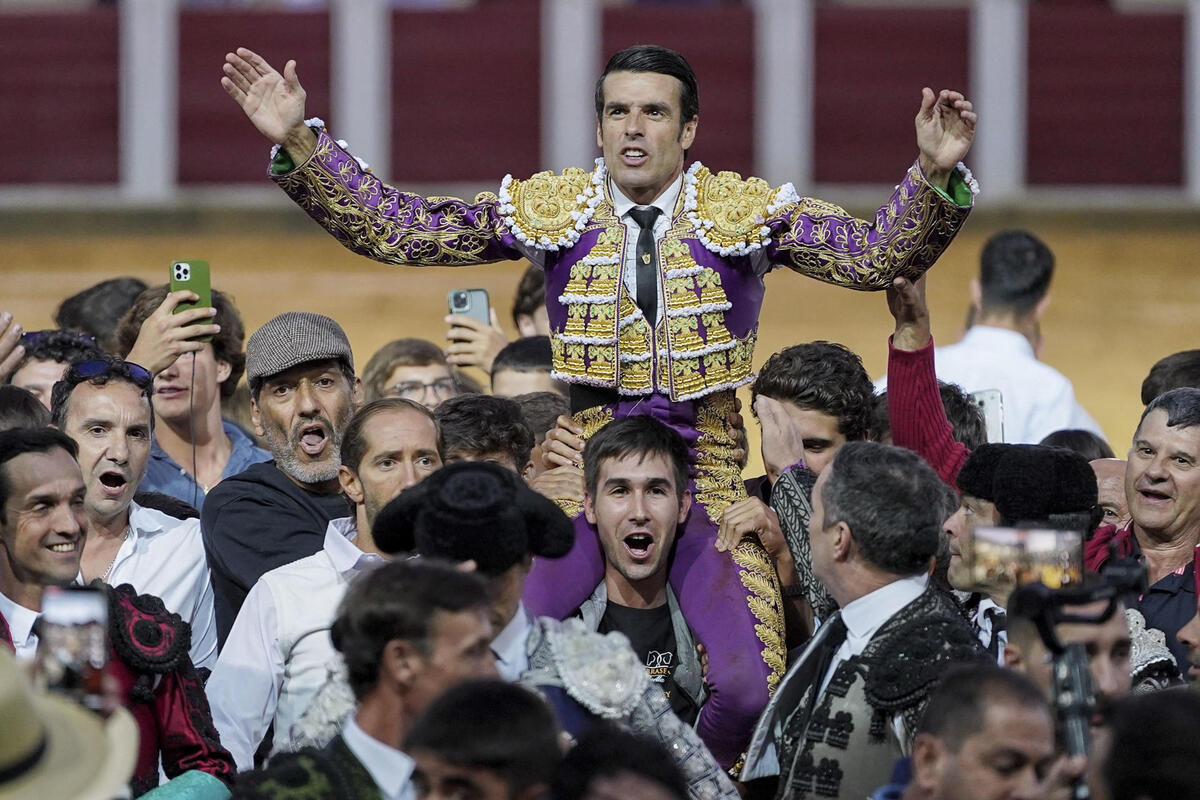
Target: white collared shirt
{"x": 1037, "y": 399}
{"x": 390, "y": 769}
{"x": 164, "y": 556}
{"x": 20, "y": 622}
{"x": 622, "y": 205}
{"x": 509, "y": 646}
{"x": 866, "y": 615}
{"x": 278, "y": 653}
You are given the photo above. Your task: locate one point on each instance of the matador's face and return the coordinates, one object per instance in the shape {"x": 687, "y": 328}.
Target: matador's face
{"x": 641, "y": 133}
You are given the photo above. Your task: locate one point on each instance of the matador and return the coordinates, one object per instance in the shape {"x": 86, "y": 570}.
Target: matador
{"x": 654, "y": 281}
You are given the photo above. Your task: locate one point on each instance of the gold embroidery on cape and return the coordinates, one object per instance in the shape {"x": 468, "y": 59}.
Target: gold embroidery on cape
{"x": 758, "y": 576}
{"x": 598, "y": 274}
{"x": 591, "y": 420}
{"x": 718, "y": 478}
{"x": 735, "y": 206}
{"x": 543, "y": 202}
{"x": 719, "y": 484}
{"x": 353, "y": 205}
{"x": 906, "y": 236}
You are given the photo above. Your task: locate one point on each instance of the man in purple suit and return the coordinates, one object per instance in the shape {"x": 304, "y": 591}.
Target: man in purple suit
{"x": 654, "y": 280}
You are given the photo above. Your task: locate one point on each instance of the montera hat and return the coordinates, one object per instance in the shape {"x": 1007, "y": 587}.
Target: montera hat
{"x": 1030, "y": 483}
{"x": 51, "y": 747}
{"x": 295, "y": 337}
{"x": 474, "y": 511}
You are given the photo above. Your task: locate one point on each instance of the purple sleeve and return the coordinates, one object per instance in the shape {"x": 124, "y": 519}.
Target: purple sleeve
{"x": 381, "y": 222}
{"x": 906, "y": 236}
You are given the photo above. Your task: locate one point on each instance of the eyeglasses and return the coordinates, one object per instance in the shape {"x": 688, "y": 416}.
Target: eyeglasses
{"x": 99, "y": 367}
{"x": 415, "y": 390}
{"x": 34, "y": 338}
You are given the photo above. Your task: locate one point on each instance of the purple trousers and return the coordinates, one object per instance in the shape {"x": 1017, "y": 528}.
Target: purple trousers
{"x": 730, "y": 600}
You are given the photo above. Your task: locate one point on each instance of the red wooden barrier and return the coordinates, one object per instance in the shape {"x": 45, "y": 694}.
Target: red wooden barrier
{"x": 465, "y": 93}
{"x": 58, "y": 89}
{"x": 1105, "y": 96}
{"x": 217, "y": 144}
{"x": 871, "y": 64}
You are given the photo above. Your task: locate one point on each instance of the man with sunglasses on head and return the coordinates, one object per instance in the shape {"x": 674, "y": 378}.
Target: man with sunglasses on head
{"x": 103, "y": 404}
{"x": 46, "y": 357}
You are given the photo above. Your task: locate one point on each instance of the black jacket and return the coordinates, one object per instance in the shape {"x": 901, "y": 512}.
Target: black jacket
{"x": 256, "y": 521}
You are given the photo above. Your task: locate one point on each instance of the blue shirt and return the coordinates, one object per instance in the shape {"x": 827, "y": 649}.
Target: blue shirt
{"x": 164, "y": 475}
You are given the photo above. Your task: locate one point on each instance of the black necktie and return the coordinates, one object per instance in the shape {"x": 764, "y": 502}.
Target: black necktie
{"x": 647, "y": 262}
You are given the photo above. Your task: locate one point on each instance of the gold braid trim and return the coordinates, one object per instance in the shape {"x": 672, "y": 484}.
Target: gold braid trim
{"x": 591, "y": 420}
{"x": 758, "y": 576}
{"x": 718, "y": 478}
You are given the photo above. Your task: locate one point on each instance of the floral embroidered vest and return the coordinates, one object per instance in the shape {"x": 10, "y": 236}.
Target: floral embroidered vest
{"x": 709, "y": 291}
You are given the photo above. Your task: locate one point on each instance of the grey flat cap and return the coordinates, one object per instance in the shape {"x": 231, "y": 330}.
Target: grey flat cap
{"x": 295, "y": 337}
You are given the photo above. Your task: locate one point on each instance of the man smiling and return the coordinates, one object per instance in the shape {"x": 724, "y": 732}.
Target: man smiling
{"x": 303, "y": 393}
{"x": 103, "y": 404}
{"x": 43, "y": 524}
{"x": 1162, "y": 485}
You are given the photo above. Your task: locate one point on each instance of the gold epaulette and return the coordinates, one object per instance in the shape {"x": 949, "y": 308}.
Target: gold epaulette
{"x": 731, "y": 211}
{"x": 548, "y": 210}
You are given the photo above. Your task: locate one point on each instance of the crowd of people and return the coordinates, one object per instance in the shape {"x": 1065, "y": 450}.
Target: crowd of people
{"x": 394, "y": 582}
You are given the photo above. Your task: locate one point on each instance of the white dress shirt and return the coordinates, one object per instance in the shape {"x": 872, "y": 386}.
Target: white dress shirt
{"x": 509, "y": 646}
{"x": 866, "y": 615}
{"x": 164, "y": 556}
{"x": 391, "y": 769}
{"x": 278, "y": 652}
{"x": 622, "y": 205}
{"x": 1037, "y": 399}
{"x": 20, "y": 622}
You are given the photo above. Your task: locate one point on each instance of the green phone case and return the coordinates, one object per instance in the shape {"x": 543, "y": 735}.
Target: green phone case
{"x": 192, "y": 274}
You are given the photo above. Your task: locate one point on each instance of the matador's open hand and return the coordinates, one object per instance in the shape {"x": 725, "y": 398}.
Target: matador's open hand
{"x": 945, "y": 130}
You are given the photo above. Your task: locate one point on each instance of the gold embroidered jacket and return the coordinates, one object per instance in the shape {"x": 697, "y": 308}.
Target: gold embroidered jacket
{"x": 725, "y": 233}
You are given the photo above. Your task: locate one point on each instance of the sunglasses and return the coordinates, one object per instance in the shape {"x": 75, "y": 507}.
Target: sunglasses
{"x": 98, "y": 367}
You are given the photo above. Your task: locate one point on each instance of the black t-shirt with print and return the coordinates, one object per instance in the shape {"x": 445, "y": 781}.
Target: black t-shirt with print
{"x": 650, "y": 632}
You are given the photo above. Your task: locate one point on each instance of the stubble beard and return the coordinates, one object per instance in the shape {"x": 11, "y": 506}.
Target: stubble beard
{"x": 285, "y": 448}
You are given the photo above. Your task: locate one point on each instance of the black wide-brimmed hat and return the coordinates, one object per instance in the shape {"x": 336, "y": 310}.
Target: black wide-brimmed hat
{"x": 1029, "y": 482}
{"x": 474, "y": 511}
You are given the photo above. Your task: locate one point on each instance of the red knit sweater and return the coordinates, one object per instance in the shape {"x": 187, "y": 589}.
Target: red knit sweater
{"x": 918, "y": 418}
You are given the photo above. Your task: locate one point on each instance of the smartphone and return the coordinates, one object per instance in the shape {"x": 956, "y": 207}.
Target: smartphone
{"x": 1010, "y": 557}
{"x": 991, "y": 403}
{"x": 193, "y": 275}
{"x": 471, "y": 303}
{"x": 72, "y": 651}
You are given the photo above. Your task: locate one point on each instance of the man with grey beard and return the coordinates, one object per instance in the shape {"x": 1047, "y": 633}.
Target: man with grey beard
{"x": 303, "y": 392}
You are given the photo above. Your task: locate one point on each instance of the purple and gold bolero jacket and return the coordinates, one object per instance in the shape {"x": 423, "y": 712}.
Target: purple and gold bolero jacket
{"x": 725, "y": 233}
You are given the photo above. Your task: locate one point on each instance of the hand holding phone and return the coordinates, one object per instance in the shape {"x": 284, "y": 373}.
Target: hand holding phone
{"x": 472, "y": 303}
{"x": 991, "y": 404}
{"x": 72, "y": 651}
{"x": 474, "y": 336}
{"x": 193, "y": 276}
{"x": 167, "y": 333}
